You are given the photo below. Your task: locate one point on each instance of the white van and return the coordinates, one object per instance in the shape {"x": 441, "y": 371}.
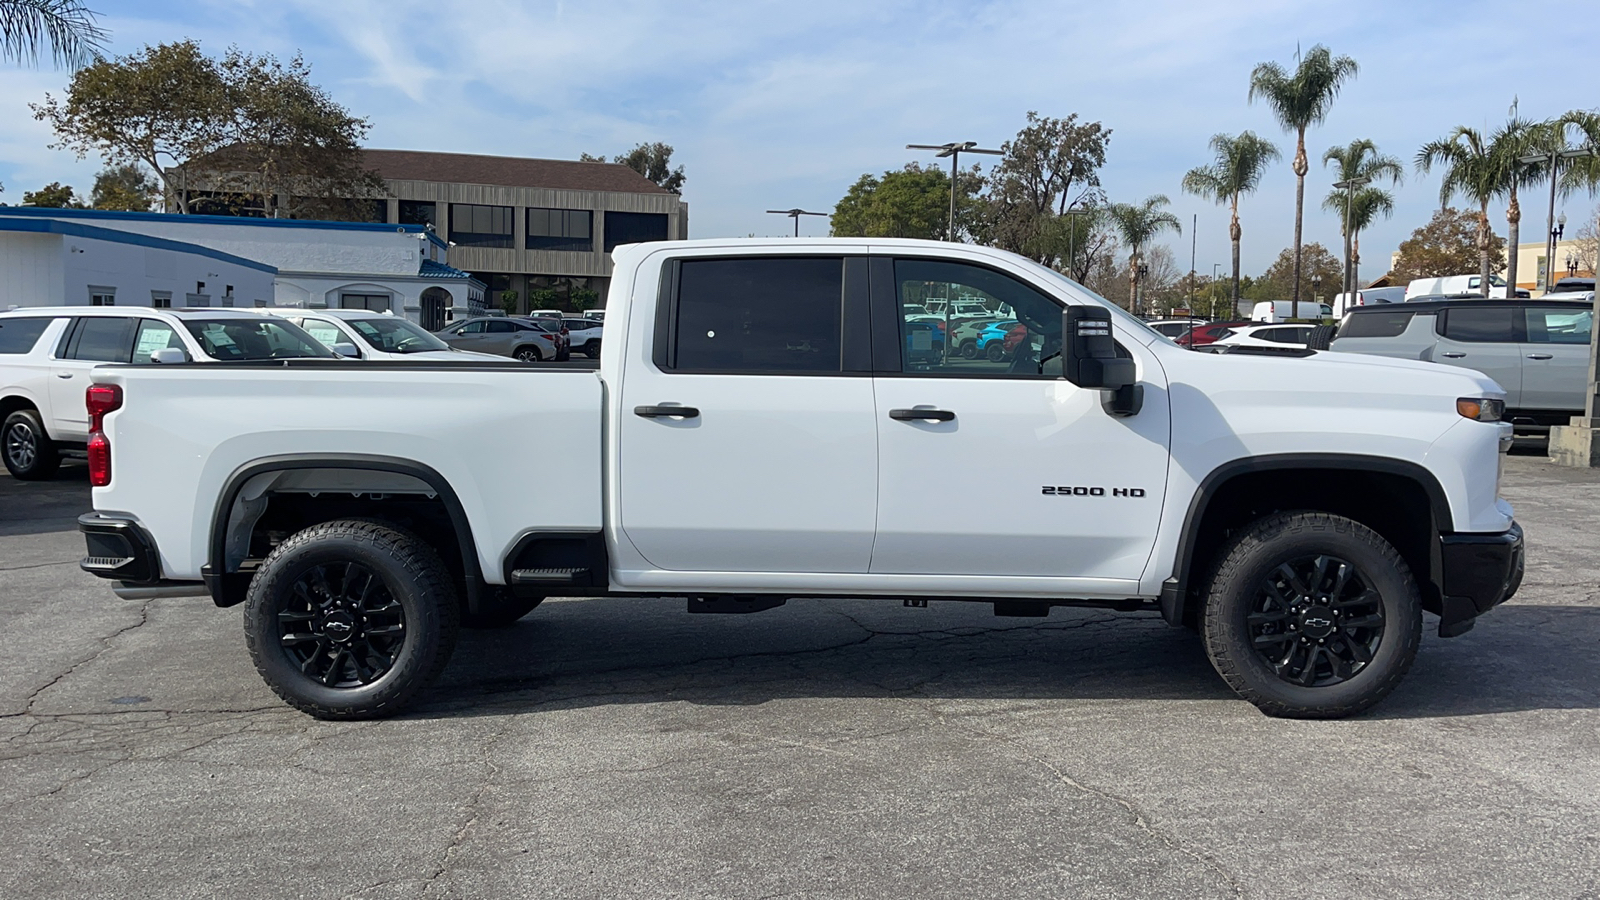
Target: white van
{"x": 1281, "y": 310}
{"x": 1367, "y": 297}
{"x": 1454, "y": 286}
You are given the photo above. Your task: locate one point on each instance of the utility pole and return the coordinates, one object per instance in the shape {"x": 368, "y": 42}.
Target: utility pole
{"x": 954, "y": 151}
{"x": 1194, "y": 241}
{"x": 795, "y": 214}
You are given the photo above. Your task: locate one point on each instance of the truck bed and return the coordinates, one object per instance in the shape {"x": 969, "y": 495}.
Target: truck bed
{"x": 517, "y": 443}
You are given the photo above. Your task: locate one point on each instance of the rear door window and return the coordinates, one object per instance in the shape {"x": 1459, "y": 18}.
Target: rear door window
{"x": 18, "y": 335}
{"x": 500, "y": 326}
{"x": 102, "y": 339}
{"x": 1479, "y": 324}
{"x": 777, "y": 314}
{"x": 1377, "y": 324}
{"x": 1552, "y": 325}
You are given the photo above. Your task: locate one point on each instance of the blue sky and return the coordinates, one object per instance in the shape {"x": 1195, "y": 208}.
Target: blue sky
{"x": 774, "y": 105}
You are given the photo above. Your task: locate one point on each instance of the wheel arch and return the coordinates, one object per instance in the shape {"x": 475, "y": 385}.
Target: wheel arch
{"x": 228, "y": 587}
{"x": 1401, "y": 500}
{"x": 13, "y": 402}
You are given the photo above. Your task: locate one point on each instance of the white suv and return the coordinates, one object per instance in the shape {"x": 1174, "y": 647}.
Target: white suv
{"x": 363, "y": 334}
{"x": 46, "y": 354}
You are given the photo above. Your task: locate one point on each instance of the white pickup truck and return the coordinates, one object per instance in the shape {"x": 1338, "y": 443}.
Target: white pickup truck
{"x": 763, "y": 426}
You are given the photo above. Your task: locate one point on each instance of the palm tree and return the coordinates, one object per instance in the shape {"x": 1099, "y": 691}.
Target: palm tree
{"x": 1568, "y": 174}
{"x": 1240, "y": 162}
{"x": 1469, "y": 170}
{"x": 1518, "y": 138}
{"x": 1360, "y": 159}
{"x": 1299, "y": 101}
{"x": 1137, "y": 225}
{"x": 67, "y": 26}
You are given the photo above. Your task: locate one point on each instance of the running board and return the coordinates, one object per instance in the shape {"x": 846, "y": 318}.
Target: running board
{"x": 548, "y": 576}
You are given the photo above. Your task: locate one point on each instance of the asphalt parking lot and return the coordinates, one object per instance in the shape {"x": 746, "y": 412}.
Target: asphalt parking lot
{"x": 603, "y": 748}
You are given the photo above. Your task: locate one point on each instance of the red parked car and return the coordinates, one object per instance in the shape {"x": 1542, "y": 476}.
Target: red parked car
{"x": 1209, "y": 333}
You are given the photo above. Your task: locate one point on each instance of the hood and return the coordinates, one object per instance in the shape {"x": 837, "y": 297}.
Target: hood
{"x": 1327, "y": 371}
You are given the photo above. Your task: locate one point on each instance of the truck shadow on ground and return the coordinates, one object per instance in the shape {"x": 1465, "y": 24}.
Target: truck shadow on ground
{"x": 51, "y": 504}
{"x": 601, "y": 652}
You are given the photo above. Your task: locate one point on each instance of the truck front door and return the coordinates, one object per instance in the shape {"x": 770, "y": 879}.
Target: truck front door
{"x": 1555, "y": 358}
{"x": 1482, "y": 338}
{"x": 748, "y": 444}
{"x": 988, "y": 467}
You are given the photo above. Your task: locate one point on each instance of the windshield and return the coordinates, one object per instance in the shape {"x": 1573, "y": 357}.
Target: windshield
{"x": 241, "y": 339}
{"x": 391, "y": 334}
{"x": 1129, "y": 320}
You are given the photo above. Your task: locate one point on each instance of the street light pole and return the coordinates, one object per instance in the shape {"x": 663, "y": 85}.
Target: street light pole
{"x": 1349, "y": 186}
{"x": 954, "y": 151}
{"x": 795, "y": 214}
{"x": 1553, "y": 159}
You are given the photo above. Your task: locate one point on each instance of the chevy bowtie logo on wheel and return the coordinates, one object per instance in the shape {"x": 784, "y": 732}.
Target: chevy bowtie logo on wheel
{"x": 1068, "y": 491}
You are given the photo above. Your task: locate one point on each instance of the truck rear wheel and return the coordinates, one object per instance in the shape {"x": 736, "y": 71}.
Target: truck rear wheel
{"x": 28, "y": 451}
{"x": 1312, "y": 616}
{"x": 350, "y": 619}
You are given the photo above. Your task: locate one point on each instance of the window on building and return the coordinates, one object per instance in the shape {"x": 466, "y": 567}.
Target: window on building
{"x": 371, "y": 302}
{"x": 161, "y": 299}
{"x": 419, "y": 212}
{"x": 561, "y": 229}
{"x": 759, "y": 315}
{"x": 480, "y": 226}
{"x": 102, "y": 296}
{"x": 634, "y": 228}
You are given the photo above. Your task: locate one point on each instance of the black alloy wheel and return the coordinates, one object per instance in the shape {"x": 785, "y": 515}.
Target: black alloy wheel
{"x": 341, "y": 625}
{"x": 1311, "y": 615}
{"x": 28, "y": 452}
{"x": 1315, "y": 621}
{"x": 592, "y": 349}
{"x": 994, "y": 352}
{"x": 969, "y": 349}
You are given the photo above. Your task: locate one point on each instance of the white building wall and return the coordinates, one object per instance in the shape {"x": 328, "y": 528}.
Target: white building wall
{"x": 31, "y": 269}
{"x": 56, "y": 270}
{"x": 292, "y": 247}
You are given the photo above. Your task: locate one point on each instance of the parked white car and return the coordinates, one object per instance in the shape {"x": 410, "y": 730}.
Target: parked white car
{"x": 1455, "y": 285}
{"x": 46, "y": 354}
{"x": 585, "y": 335}
{"x": 1173, "y": 328}
{"x": 362, "y": 334}
{"x": 1281, "y": 337}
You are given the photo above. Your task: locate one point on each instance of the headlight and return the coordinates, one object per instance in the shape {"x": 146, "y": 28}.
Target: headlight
{"x": 1481, "y": 409}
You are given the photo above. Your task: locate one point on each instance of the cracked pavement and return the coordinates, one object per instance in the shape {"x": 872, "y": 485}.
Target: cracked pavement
{"x": 828, "y": 748}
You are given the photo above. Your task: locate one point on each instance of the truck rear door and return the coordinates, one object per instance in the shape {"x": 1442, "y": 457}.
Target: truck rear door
{"x": 1555, "y": 357}
{"x": 748, "y": 438}
{"x": 1482, "y": 338}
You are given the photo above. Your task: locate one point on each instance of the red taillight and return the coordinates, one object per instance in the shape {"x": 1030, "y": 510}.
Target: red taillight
{"x": 100, "y": 399}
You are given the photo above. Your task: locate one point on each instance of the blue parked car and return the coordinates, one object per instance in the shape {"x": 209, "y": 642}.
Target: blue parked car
{"x": 991, "y": 342}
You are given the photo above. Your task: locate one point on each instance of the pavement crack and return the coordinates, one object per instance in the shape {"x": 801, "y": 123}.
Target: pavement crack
{"x": 65, "y": 562}
{"x": 105, "y": 644}
{"x": 469, "y": 812}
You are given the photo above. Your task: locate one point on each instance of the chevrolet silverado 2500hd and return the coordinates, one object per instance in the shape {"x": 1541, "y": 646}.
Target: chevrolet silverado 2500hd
{"x": 1301, "y": 510}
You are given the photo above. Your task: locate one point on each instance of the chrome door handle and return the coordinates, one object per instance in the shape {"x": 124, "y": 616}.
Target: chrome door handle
{"x": 1539, "y": 356}
{"x": 1453, "y": 355}
{"x": 63, "y": 374}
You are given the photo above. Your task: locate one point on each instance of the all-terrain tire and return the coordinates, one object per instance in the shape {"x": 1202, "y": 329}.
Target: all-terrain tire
{"x": 1238, "y": 593}
{"x": 29, "y": 453}
{"x": 405, "y": 575}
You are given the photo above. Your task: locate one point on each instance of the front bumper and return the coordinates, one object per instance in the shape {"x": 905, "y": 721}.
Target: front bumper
{"x": 1480, "y": 571}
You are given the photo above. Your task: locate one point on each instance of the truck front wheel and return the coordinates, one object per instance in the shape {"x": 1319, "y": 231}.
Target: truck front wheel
{"x": 350, "y": 619}
{"x": 1312, "y": 616}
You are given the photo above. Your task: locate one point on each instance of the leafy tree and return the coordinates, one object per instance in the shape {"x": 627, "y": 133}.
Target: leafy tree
{"x": 1278, "y": 282}
{"x": 653, "y": 161}
{"x": 1447, "y": 245}
{"x": 508, "y": 302}
{"x": 1136, "y": 225}
{"x": 161, "y": 106}
{"x": 1518, "y": 139}
{"x": 54, "y": 195}
{"x": 247, "y": 125}
{"x": 1360, "y": 159}
{"x": 1300, "y": 100}
{"x": 584, "y": 298}
{"x": 125, "y": 187}
{"x": 1472, "y": 171}
{"x": 1238, "y": 168}
{"x": 1048, "y": 170}
{"x": 913, "y": 202}
{"x": 66, "y": 26}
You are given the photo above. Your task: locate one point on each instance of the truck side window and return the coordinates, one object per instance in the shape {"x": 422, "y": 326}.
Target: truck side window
{"x": 772, "y": 314}
{"x": 966, "y": 321}
{"x": 153, "y": 335}
{"x": 104, "y": 339}
{"x": 1559, "y": 326}
{"x": 1488, "y": 325}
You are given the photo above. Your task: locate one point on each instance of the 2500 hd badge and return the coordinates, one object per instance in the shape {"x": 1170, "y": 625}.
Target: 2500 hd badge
{"x": 1065, "y": 491}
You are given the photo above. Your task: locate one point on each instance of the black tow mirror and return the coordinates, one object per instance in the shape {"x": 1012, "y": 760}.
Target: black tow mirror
{"x": 1089, "y": 353}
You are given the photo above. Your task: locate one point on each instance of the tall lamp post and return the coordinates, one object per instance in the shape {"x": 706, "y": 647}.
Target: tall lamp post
{"x": 954, "y": 151}
{"x": 1349, "y": 187}
{"x": 1316, "y": 291}
{"x": 1553, "y": 160}
{"x": 794, "y": 214}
